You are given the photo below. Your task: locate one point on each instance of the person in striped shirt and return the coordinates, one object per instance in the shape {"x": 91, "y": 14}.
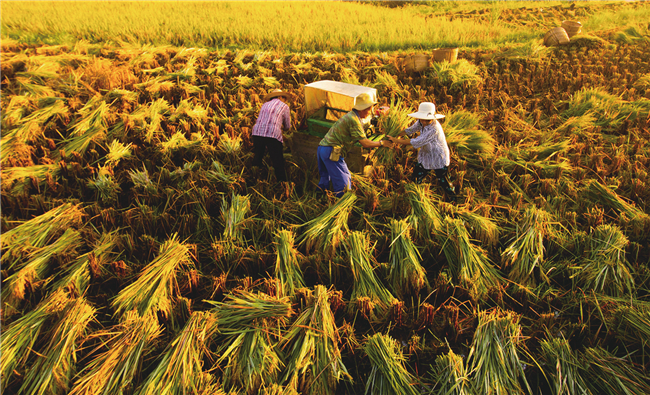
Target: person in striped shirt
{"x": 274, "y": 117}
{"x": 433, "y": 151}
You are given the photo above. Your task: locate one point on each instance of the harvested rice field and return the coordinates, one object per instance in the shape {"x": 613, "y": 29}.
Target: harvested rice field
{"x": 143, "y": 254}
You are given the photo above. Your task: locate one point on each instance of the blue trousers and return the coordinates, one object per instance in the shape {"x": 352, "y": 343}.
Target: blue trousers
{"x": 337, "y": 172}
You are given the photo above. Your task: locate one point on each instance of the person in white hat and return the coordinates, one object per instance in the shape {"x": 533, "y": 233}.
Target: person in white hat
{"x": 433, "y": 151}
{"x": 274, "y": 117}
{"x": 338, "y": 140}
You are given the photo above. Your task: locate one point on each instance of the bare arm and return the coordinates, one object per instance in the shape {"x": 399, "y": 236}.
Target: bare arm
{"x": 367, "y": 143}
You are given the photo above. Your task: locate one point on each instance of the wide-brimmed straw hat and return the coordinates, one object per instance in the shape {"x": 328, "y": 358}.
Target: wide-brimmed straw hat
{"x": 275, "y": 93}
{"x": 426, "y": 111}
{"x": 363, "y": 101}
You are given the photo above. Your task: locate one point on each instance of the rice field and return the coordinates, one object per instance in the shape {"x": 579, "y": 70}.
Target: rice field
{"x": 137, "y": 259}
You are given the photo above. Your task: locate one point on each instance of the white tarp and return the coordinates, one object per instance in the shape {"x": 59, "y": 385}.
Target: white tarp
{"x": 333, "y": 94}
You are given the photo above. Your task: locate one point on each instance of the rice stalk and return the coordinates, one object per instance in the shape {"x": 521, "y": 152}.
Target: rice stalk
{"x": 424, "y": 216}
{"x": 468, "y": 263}
{"x": 612, "y": 375}
{"x": 525, "y": 253}
{"x": 494, "y": 357}
{"x": 633, "y": 322}
{"x": 156, "y": 112}
{"x": 456, "y": 74}
{"x": 391, "y": 124}
{"x": 105, "y": 185}
{"x": 484, "y": 229}
{"x": 450, "y": 375}
{"x": 366, "y": 283}
{"x": 218, "y": 173}
{"x": 80, "y": 143}
{"x": 464, "y": 134}
{"x": 180, "y": 369}
{"x": 327, "y": 230}
{"x": 29, "y": 274}
{"x": 406, "y": 274}
{"x": 113, "y": 371}
{"x": 389, "y": 374}
{"x": 235, "y": 216}
{"x": 251, "y": 325}
{"x": 39, "y": 173}
{"x": 314, "y": 358}
{"x": 156, "y": 287}
{"x": 287, "y": 267}
{"x": 605, "y": 268}
{"x": 178, "y": 141}
{"x": 19, "y": 338}
{"x": 53, "y": 371}
{"x": 141, "y": 180}
{"x": 563, "y": 369}
{"x": 229, "y": 145}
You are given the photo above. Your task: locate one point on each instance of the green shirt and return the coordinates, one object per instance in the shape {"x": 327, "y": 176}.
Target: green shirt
{"x": 345, "y": 132}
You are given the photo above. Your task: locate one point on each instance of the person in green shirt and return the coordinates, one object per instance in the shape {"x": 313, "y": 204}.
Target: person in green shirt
{"x": 338, "y": 140}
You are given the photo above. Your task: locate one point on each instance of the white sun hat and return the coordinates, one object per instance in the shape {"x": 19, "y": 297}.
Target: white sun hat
{"x": 426, "y": 111}
{"x": 363, "y": 101}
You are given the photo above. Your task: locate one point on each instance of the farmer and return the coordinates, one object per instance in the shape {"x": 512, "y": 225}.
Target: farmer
{"x": 434, "y": 151}
{"x": 338, "y": 140}
{"x": 274, "y": 117}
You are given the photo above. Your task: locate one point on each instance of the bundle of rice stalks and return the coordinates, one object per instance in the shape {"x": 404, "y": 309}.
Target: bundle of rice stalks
{"x": 463, "y": 133}
{"x": 38, "y": 232}
{"x": 525, "y": 253}
{"x": 76, "y": 275}
{"x": 156, "y": 288}
{"x": 611, "y": 375}
{"x": 181, "y": 368}
{"x": 251, "y": 324}
{"x": 29, "y": 275}
{"x": 456, "y": 74}
{"x": 494, "y": 358}
{"x": 451, "y": 376}
{"x": 229, "y": 145}
{"x": 600, "y": 193}
{"x": 326, "y": 231}
{"x": 52, "y": 373}
{"x": 314, "y": 361}
{"x": 178, "y": 142}
{"x": 425, "y": 216}
{"x": 366, "y": 283}
{"x": 391, "y": 124}
{"x": 367, "y": 189}
{"x": 114, "y": 370}
{"x": 116, "y": 152}
{"x": 605, "y": 268}
{"x": 19, "y": 337}
{"x": 218, "y": 173}
{"x": 484, "y": 229}
{"x": 105, "y": 186}
{"x": 141, "y": 180}
{"x": 156, "y": 113}
{"x": 564, "y": 371}
{"x": 234, "y": 216}
{"x": 468, "y": 263}
{"x": 20, "y": 179}
{"x": 634, "y": 322}
{"x": 287, "y": 267}
{"x": 389, "y": 375}
{"x": 406, "y": 274}
{"x": 610, "y": 111}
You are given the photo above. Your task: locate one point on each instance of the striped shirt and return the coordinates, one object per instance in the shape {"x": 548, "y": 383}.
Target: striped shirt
{"x": 274, "y": 115}
{"x": 434, "y": 151}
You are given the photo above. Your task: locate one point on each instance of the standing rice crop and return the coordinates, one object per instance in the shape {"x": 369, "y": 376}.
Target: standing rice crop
{"x": 53, "y": 371}
{"x": 181, "y": 368}
{"x": 326, "y": 231}
{"x": 389, "y": 374}
{"x": 605, "y": 268}
{"x": 406, "y": 274}
{"x": 451, "y": 376}
{"x": 113, "y": 371}
{"x": 250, "y": 324}
{"x": 156, "y": 287}
{"x": 494, "y": 355}
{"x": 19, "y": 337}
{"x": 314, "y": 358}
{"x": 368, "y": 293}
{"x": 525, "y": 253}
{"x": 468, "y": 263}
{"x": 287, "y": 267}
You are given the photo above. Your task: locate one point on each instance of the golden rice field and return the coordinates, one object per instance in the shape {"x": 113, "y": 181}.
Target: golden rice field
{"x": 136, "y": 259}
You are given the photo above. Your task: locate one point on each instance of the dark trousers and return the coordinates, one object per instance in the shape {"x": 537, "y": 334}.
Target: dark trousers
{"x": 419, "y": 173}
{"x": 275, "y": 148}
